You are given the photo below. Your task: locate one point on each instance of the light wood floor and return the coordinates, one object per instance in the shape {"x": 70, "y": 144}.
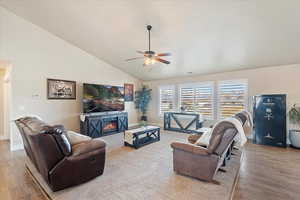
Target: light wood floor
{"x": 269, "y": 173}
{"x": 266, "y": 173}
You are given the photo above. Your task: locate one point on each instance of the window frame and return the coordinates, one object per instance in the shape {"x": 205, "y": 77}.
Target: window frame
{"x": 232, "y": 81}
{"x": 194, "y": 86}
{"x": 161, "y": 87}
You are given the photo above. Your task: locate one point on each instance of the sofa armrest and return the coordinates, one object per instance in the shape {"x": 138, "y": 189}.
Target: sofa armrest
{"x": 193, "y": 138}
{"x": 190, "y": 148}
{"x": 87, "y": 146}
{"x": 76, "y": 138}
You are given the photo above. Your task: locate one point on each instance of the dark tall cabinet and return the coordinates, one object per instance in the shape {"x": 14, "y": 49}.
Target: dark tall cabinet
{"x": 269, "y": 116}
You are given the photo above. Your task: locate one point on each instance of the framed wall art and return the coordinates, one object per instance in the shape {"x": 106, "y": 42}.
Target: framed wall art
{"x": 61, "y": 89}
{"x": 128, "y": 92}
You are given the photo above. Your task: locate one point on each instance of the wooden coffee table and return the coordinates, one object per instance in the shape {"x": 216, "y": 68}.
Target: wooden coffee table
{"x": 142, "y": 136}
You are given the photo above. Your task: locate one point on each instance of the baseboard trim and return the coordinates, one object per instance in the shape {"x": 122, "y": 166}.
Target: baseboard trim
{"x": 3, "y": 137}
{"x": 16, "y": 147}
{"x": 133, "y": 124}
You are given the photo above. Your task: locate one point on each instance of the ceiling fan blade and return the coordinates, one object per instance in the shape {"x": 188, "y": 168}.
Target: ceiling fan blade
{"x": 141, "y": 52}
{"x": 162, "y": 60}
{"x": 130, "y": 59}
{"x": 164, "y": 54}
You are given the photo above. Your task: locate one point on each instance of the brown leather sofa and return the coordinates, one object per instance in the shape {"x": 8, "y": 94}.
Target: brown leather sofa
{"x": 61, "y": 163}
{"x": 200, "y": 162}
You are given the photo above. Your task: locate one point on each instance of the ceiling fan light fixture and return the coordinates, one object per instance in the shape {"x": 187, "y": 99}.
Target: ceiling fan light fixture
{"x": 148, "y": 61}
{"x": 153, "y": 61}
{"x": 150, "y": 56}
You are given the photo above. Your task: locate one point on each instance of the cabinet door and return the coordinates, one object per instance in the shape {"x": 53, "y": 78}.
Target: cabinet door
{"x": 95, "y": 127}
{"x": 122, "y": 123}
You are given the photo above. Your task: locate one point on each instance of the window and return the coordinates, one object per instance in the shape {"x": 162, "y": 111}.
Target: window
{"x": 198, "y": 97}
{"x": 232, "y": 97}
{"x": 166, "y": 99}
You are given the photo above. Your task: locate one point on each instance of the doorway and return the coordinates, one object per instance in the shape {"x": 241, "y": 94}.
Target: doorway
{"x": 5, "y": 100}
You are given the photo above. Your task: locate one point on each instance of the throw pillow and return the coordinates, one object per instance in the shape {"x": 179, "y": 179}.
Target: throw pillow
{"x": 205, "y": 137}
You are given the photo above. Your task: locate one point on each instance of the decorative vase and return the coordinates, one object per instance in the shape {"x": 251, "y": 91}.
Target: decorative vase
{"x": 295, "y": 138}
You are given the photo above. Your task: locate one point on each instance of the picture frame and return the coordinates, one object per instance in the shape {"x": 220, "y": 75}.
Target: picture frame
{"x": 128, "y": 92}
{"x": 61, "y": 89}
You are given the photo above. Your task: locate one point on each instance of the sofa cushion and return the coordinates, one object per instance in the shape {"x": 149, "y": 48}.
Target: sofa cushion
{"x": 227, "y": 140}
{"x": 88, "y": 146}
{"x": 217, "y": 134}
{"x": 242, "y": 117}
{"x": 34, "y": 124}
{"x": 59, "y": 133}
{"x": 76, "y": 138}
{"x": 214, "y": 143}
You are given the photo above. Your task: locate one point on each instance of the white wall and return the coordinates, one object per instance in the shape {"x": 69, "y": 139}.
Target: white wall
{"x": 36, "y": 55}
{"x": 268, "y": 80}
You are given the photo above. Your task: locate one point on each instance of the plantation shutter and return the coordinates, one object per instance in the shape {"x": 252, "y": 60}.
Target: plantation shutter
{"x": 187, "y": 95}
{"x": 232, "y": 97}
{"x": 166, "y": 96}
{"x": 198, "y": 97}
{"x": 204, "y": 100}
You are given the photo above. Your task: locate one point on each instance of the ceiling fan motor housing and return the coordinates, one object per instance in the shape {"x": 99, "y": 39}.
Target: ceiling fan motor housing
{"x": 150, "y": 52}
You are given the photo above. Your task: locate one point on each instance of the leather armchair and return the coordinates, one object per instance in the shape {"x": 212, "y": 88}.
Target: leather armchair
{"x": 200, "y": 162}
{"x": 60, "y": 162}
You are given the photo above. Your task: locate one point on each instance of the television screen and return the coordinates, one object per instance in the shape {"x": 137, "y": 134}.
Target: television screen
{"x": 102, "y": 98}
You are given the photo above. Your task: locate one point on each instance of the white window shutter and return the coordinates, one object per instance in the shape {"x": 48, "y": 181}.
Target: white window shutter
{"x": 204, "y": 101}
{"x": 166, "y": 99}
{"x": 198, "y": 97}
{"x": 232, "y": 97}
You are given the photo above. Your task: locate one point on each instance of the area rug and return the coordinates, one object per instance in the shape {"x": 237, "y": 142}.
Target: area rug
{"x": 146, "y": 174}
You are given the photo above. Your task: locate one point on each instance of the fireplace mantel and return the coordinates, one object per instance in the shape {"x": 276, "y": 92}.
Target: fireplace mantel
{"x": 102, "y": 124}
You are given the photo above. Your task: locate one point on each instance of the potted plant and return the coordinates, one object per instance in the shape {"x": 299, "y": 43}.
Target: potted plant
{"x": 142, "y": 99}
{"x": 294, "y": 133}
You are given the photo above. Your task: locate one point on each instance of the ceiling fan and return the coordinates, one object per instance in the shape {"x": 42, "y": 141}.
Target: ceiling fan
{"x": 150, "y": 56}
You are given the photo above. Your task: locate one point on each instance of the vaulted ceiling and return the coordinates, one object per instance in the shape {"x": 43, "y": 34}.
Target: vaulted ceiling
{"x": 204, "y": 36}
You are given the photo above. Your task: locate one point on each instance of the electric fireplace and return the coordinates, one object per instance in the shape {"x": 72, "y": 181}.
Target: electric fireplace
{"x": 102, "y": 124}
{"x": 110, "y": 126}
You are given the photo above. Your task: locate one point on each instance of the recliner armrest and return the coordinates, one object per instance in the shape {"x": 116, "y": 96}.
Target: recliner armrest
{"x": 76, "y": 138}
{"x": 88, "y": 146}
{"x": 190, "y": 148}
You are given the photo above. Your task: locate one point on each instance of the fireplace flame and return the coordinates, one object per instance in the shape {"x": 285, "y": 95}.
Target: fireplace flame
{"x": 110, "y": 126}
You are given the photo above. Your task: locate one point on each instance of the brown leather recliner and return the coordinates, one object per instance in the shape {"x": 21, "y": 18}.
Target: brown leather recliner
{"x": 200, "y": 162}
{"x": 61, "y": 163}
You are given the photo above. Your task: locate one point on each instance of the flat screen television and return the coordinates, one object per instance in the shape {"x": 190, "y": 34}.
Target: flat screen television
{"x": 102, "y": 98}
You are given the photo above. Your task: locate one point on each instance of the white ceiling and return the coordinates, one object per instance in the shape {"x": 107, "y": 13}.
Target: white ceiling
{"x": 204, "y": 36}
